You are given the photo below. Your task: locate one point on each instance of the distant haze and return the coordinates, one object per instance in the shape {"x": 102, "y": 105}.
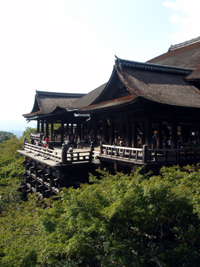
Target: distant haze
{"x": 16, "y": 127}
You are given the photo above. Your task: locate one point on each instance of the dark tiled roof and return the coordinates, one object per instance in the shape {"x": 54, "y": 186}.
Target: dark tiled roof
{"x": 89, "y": 98}
{"x": 165, "y": 88}
{"x": 157, "y": 83}
{"x": 109, "y": 104}
{"x": 185, "y": 55}
{"x": 49, "y": 102}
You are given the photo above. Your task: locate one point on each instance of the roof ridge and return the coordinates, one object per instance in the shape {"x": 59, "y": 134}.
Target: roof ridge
{"x": 183, "y": 44}
{"x": 46, "y": 93}
{"x": 152, "y": 67}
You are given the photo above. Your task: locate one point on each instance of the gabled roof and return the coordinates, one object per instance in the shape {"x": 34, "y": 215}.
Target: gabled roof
{"x": 51, "y": 102}
{"x": 89, "y": 98}
{"x": 156, "y": 83}
{"x": 184, "y": 55}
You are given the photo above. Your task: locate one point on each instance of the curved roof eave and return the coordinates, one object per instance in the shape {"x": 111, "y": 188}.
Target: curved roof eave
{"x": 106, "y": 87}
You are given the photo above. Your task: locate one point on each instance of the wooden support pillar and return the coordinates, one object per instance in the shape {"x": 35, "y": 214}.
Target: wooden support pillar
{"x": 47, "y": 129}
{"x": 68, "y": 128}
{"x": 116, "y": 129}
{"x": 148, "y": 132}
{"x": 111, "y": 132}
{"x": 142, "y": 135}
{"x": 128, "y": 132}
{"x": 103, "y": 137}
{"x": 159, "y": 135}
{"x": 134, "y": 134}
{"x": 79, "y": 129}
{"x": 43, "y": 180}
{"x": 198, "y": 138}
{"x": 52, "y": 137}
{"x": 36, "y": 178}
{"x": 50, "y": 181}
{"x": 185, "y": 133}
{"x": 174, "y": 135}
{"x": 38, "y": 126}
{"x": 123, "y": 131}
{"x": 83, "y": 132}
{"x": 42, "y": 126}
{"x": 95, "y": 133}
{"x": 62, "y": 132}
{"x": 115, "y": 166}
{"x": 71, "y": 130}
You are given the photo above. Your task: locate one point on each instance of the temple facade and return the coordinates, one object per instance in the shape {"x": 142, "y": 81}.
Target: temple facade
{"x": 156, "y": 103}
{"x": 147, "y": 114}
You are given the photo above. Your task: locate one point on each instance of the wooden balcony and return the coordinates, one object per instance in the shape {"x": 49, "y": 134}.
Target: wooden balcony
{"x": 141, "y": 156}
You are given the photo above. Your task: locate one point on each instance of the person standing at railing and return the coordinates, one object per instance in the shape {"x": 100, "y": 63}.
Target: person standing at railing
{"x": 71, "y": 151}
{"x": 169, "y": 142}
{"x": 47, "y": 139}
{"x": 165, "y": 143}
{"x": 67, "y": 143}
{"x": 44, "y": 144}
{"x": 153, "y": 141}
{"x": 78, "y": 142}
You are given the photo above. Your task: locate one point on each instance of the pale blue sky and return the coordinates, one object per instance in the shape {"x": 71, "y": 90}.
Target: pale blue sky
{"x": 69, "y": 45}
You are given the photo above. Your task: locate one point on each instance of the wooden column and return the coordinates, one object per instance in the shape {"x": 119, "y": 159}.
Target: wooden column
{"x": 159, "y": 135}
{"x": 62, "y": 132}
{"x": 148, "y": 132}
{"x": 52, "y": 137}
{"x": 128, "y": 132}
{"x": 38, "y": 126}
{"x": 68, "y": 128}
{"x": 116, "y": 129}
{"x": 103, "y": 137}
{"x": 111, "y": 132}
{"x": 43, "y": 180}
{"x": 47, "y": 128}
{"x": 143, "y": 127}
{"x": 174, "y": 134}
{"x": 186, "y": 133}
{"x": 79, "y": 129}
{"x": 95, "y": 132}
{"x": 71, "y": 130}
{"x": 83, "y": 132}
{"x": 134, "y": 134}
{"x": 42, "y": 126}
{"x": 36, "y": 178}
{"x": 51, "y": 181}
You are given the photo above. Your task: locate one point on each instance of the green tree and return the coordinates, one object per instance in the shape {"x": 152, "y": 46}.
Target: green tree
{"x": 117, "y": 220}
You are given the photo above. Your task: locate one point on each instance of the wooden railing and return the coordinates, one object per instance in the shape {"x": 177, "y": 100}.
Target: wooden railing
{"x": 58, "y": 156}
{"x": 124, "y": 153}
{"x": 173, "y": 155}
{"x": 150, "y": 156}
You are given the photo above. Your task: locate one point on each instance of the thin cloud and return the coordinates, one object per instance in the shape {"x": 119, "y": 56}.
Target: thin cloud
{"x": 185, "y": 19}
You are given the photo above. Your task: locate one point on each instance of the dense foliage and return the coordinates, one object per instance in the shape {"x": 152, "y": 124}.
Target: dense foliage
{"x": 117, "y": 220}
{"x": 5, "y": 136}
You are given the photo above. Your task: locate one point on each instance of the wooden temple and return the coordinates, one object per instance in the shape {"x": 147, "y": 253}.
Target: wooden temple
{"x": 151, "y": 108}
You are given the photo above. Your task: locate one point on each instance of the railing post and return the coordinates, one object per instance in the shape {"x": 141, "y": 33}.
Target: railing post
{"x": 91, "y": 150}
{"x": 64, "y": 155}
{"x": 144, "y": 153}
{"x": 101, "y": 148}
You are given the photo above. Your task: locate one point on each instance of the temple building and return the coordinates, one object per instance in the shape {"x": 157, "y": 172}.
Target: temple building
{"x": 147, "y": 114}
{"x": 159, "y": 98}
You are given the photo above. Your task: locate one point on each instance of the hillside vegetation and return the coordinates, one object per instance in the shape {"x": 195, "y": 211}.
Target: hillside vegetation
{"x": 5, "y": 136}
{"x": 117, "y": 220}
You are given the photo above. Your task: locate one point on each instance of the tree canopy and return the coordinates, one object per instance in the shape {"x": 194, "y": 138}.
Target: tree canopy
{"x": 115, "y": 220}
{"x": 5, "y": 136}
{"x": 118, "y": 220}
